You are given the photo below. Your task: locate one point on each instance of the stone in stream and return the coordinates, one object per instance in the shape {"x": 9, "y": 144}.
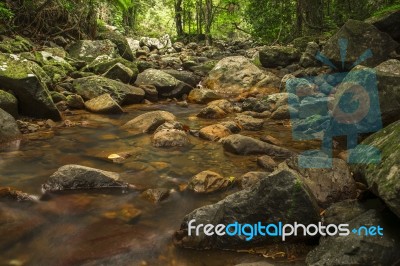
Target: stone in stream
{"x": 267, "y": 162}
{"x": 208, "y": 182}
{"x": 249, "y": 123}
{"x": 119, "y": 72}
{"x": 214, "y": 132}
{"x": 9, "y": 103}
{"x": 361, "y": 36}
{"x": 149, "y": 122}
{"x": 8, "y": 194}
{"x": 281, "y": 196}
{"x": 166, "y": 138}
{"x": 382, "y": 178}
{"x": 224, "y": 104}
{"x": 244, "y": 145}
{"x": 104, "y": 104}
{"x": 73, "y": 177}
{"x": 232, "y": 126}
{"x": 184, "y": 76}
{"x": 26, "y": 80}
{"x": 202, "y": 95}
{"x": 156, "y": 195}
{"x": 271, "y": 140}
{"x": 75, "y": 101}
{"x": 8, "y": 127}
{"x": 211, "y": 112}
{"x": 251, "y": 179}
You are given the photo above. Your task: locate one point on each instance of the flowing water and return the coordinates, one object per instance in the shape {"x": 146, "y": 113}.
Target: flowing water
{"x": 90, "y": 227}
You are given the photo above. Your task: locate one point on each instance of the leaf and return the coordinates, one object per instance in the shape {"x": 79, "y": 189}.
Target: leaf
{"x": 114, "y": 156}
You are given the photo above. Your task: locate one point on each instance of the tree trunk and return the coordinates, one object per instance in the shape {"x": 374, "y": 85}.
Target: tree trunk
{"x": 208, "y": 21}
{"x": 178, "y": 17}
{"x": 92, "y": 19}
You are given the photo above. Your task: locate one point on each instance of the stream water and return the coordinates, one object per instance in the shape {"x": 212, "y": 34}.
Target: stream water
{"x": 89, "y": 228}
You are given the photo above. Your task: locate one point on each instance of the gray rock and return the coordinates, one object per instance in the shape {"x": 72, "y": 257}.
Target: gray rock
{"x": 72, "y": 177}
{"x": 388, "y": 22}
{"x": 103, "y": 104}
{"x": 88, "y": 50}
{"x": 8, "y": 194}
{"x": 149, "y": 122}
{"x": 166, "y": 138}
{"x": 8, "y": 127}
{"x": 308, "y": 57}
{"x": 274, "y": 56}
{"x": 119, "y": 72}
{"x": 184, "y": 76}
{"x": 251, "y": 179}
{"x": 278, "y": 197}
{"x": 249, "y": 123}
{"x": 120, "y": 41}
{"x": 267, "y": 162}
{"x": 208, "y": 182}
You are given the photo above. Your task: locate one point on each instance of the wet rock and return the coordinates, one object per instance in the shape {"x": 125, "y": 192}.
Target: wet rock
{"x": 88, "y": 50}
{"x": 274, "y": 56}
{"x": 244, "y": 145}
{"x": 232, "y": 126}
{"x": 214, "y": 132}
{"x": 26, "y": 80}
{"x": 72, "y": 177}
{"x": 184, "y": 76}
{"x": 75, "y": 101}
{"x": 212, "y": 112}
{"x": 149, "y": 122}
{"x": 202, "y": 96}
{"x": 156, "y": 195}
{"x": 361, "y": 36}
{"x": 119, "y": 72}
{"x": 166, "y": 138}
{"x": 223, "y": 104}
{"x": 151, "y": 92}
{"x": 233, "y": 75}
{"x": 8, "y": 127}
{"x": 328, "y": 185}
{"x": 9, "y": 103}
{"x": 279, "y": 197}
{"x": 271, "y": 140}
{"x": 103, "y": 104}
{"x": 126, "y": 213}
{"x": 357, "y": 249}
{"x": 250, "y": 123}
{"x": 208, "y": 182}
{"x": 267, "y": 163}
{"x": 382, "y": 178}
{"x": 251, "y": 179}
{"x": 388, "y": 22}
{"x": 8, "y": 194}
{"x": 94, "y": 86}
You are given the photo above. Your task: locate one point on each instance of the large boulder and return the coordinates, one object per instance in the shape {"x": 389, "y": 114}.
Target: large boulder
{"x": 124, "y": 50}
{"x": 88, "y": 50}
{"x": 166, "y": 138}
{"x": 184, "y": 76}
{"x": 388, "y": 22}
{"x": 95, "y": 86}
{"x": 9, "y": 103}
{"x": 26, "y": 80}
{"x": 149, "y": 122}
{"x": 361, "y": 36}
{"x": 243, "y": 145}
{"x": 134, "y": 45}
{"x": 275, "y": 56}
{"x": 383, "y": 178}
{"x": 72, "y": 177}
{"x": 233, "y": 75}
{"x": 279, "y": 197}
{"x": 103, "y": 104}
{"x": 8, "y": 127}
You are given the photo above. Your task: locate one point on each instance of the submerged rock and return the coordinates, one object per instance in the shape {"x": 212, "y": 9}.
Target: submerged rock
{"x": 8, "y": 127}
{"x": 279, "y": 197}
{"x": 103, "y": 104}
{"x": 156, "y": 195}
{"x": 8, "y": 194}
{"x": 149, "y": 122}
{"x": 170, "y": 138}
{"x": 208, "y": 182}
{"x": 72, "y": 177}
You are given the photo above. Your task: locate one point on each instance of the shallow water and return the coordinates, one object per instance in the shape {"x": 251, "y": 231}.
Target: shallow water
{"x": 90, "y": 227}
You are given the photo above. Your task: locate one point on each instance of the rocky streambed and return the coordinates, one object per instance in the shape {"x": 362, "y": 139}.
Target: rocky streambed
{"x": 110, "y": 147}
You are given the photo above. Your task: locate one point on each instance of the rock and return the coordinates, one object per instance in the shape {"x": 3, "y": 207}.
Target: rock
{"x": 75, "y": 101}
{"x": 124, "y": 50}
{"x": 166, "y": 138}
{"x": 251, "y": 179}
{"x": 104, "y": 63}
{"x": 328, "y": 185}
{"x": 178, "y": 46}
{"x": 271, "y": 140}
{"x": 171, "y": 61}
{"x": 233, "y": 75}
{"x": 214, "y": 132}
{"x": 134, "y": 45}
{"x": 156, "y": 195}
{"x": 279, "y": 197}
{"x": 211, "y": 112}
{"x": 94, "y": 86}
{"x": 382, "y": 178}
{"x": 208, "y": 182}
{"x": 255, "y": 105}
{"x": 26, "y": 80}
{"x": 232, "y": 126}
{"x": 202, "y": 96}
{"x": 8, "y": 127}
{"x": 388, "y": 22}
{"x": 313, "y": 106}
{"x": 267, "y": 163}
{"x": 119, "y": 72}
{"x": 184, "y": 76}
{"x": 308, "y": 57}
{"x": 149, "y": 122}
{"x": 9, "y": 103}
{"x": 388, "y": 74}
{"x": 150, "y": 92}
{"x": 57, "y": 97}
{"x": 192, "y": 46}
{"x": 249, "y": 123}
{"x": 154, "y": 43}
{"x": 357, "y": 249}
{"x": 103, "y": 104}
{"x": 88, "y": 50}
{"x": 72, "y": 177}
{"x": 284, "y": 112}
{"x": 274, "y": 56}
{"x": 276, "y": 100}
{"x": 15, "y": 45}
{"x": 361, "y": 36}
{"x": 8, "y": 194}
{"x": 344, "y": 211}
{"x": 244, "y": 145}
{"x": 223, "y": 104}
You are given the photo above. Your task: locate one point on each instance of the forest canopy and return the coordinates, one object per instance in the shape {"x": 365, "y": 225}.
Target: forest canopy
{"x": 267, "y": 21}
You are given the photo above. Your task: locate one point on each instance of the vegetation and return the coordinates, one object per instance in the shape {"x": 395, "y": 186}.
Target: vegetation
{"x": 269, "y": 21}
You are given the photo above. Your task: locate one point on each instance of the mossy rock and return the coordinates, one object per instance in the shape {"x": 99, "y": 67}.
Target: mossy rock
{"x": 120, "y": 41}
{"x": 88, "y": 50}
{"x": 103, "y": 63}
{"x": 9, "y": 103}
{"x": 15, "y": 45}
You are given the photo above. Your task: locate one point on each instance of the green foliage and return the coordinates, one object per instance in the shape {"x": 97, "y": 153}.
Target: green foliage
{"x": 5, "y": 12}
{"x": 387, "y": 9}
